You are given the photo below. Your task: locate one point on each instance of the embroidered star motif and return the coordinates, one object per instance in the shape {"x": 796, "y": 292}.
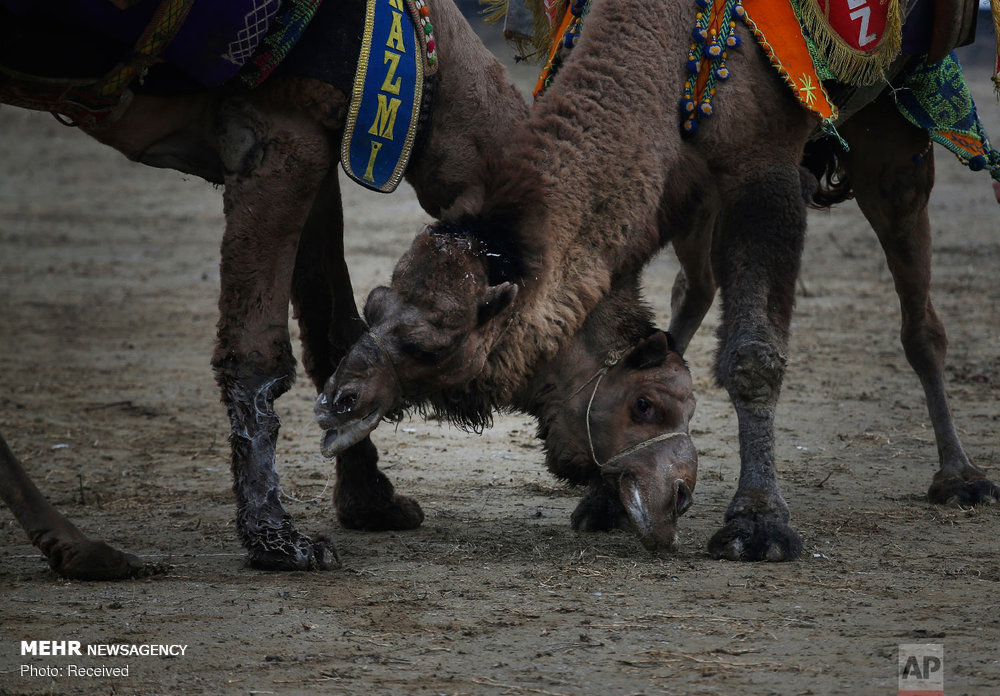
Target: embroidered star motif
{"x": 808, "y": 89}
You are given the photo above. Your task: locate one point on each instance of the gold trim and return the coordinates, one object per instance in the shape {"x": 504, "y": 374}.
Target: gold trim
{"x": 411, "y": 134}
{"x": 358, "y": 90}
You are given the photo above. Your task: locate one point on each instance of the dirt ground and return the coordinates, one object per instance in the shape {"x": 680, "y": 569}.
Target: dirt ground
{"x": 108, "y": 284}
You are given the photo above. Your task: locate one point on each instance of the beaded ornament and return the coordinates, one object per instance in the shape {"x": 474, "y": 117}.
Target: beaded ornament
{"x": 713, "y": 36}
{"x": 421, "y": 12}
{"x": 566, "y": 36}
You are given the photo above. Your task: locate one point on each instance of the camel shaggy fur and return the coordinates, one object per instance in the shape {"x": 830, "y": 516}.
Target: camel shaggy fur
{"x": 601, "y": 178}
{"x": 275, "y": 151}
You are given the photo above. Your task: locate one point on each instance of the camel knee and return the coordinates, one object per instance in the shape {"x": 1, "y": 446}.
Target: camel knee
{"x": 751, "y": 373}
{"x": 253, "y": 380}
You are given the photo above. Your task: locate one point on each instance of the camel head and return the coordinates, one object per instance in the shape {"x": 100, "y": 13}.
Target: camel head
{"x": 626, "y": 431}
{"x": 431, "y": 331}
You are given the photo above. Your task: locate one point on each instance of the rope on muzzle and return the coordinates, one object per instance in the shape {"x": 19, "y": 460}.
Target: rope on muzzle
{"x": 614, "y": 357}
{"x": 388, "y": 361}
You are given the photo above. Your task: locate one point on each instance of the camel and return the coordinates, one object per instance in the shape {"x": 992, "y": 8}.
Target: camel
{"x": 275, "y": 151}
{"x": 601, "y": 177}
{"x": 636, "y": 459}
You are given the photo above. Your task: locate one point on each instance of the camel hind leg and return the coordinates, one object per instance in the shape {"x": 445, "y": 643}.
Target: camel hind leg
{"x": 329, "y": 324}
{"x": 892, "y": 188}
{"x": 694, "y": 286}
{"x": 69, "y": 551}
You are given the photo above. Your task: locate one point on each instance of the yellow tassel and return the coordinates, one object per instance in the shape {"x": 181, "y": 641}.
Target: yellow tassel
{"x": 537, "y": 47}
{"x": 493, "y": 10}
{"x": 848, "y": 64}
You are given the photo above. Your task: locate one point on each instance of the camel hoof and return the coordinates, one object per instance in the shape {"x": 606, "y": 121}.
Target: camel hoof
{"x": 95, "y": 560}
{"x": 756, "y": 537}
{"x": 954, "y": 490}
{"x": 287, "y": 549}
{"x": 395, "y": 514}
{"x": 598, "y": 512}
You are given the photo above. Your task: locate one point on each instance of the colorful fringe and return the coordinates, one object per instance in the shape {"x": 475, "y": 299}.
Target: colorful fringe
{"x": 936, "y": 99}
{"x": 830, "y": 23}
{"x": 162, "y": 29}
{"x": 545, "y": 16}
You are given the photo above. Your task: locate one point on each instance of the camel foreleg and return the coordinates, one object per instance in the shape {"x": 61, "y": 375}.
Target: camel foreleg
{"x": 329, "y": 323}
{"x": 275, "y": 161}
{"x": 758, "y": 247}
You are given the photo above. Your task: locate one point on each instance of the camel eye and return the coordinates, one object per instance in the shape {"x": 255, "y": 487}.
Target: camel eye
{"x": 419, "y": 354}
{"x": 643, "y": 406}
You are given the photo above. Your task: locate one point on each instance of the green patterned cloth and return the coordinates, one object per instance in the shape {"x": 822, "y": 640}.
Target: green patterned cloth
{"x": 936, "y": 99}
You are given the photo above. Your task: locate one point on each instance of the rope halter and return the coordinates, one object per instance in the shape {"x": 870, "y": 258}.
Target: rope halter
{"x": 614, "y": 357}
{"x": 388, "y": 361}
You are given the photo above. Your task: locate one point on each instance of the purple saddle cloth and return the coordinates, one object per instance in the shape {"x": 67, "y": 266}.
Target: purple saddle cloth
{"x": 214, "y": 43}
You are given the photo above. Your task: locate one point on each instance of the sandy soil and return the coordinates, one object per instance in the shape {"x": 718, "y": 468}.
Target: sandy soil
{"x": 107, "y": 306}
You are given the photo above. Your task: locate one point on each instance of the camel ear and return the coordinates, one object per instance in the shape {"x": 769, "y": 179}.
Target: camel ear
{"x": 498, "y": 298}
{"x": 650, "y": 352}
{"x": 375, "y": 305}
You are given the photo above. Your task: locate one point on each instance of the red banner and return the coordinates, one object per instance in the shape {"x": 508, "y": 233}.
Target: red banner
{"x": 859, "y": 23}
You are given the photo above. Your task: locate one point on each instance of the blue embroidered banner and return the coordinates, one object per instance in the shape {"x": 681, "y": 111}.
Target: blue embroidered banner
{"x": 385, "y": 103}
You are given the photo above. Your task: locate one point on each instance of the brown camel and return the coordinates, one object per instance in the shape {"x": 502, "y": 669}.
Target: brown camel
{"x": 275, "y": 151}
{"x": 615, "y": 180}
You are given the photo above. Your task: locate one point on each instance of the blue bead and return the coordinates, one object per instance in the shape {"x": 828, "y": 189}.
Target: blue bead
{"x": 977, "y": 163}
{"x": 690, "y": 125}
{"x": 699, "y": 34}
{"x": 692, "y": 66}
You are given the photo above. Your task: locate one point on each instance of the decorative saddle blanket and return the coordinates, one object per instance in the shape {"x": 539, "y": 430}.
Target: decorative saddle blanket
{"x": 852, "y": 41}
{"x": 210, "y": 43}
{"x": 66, "y": 57}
